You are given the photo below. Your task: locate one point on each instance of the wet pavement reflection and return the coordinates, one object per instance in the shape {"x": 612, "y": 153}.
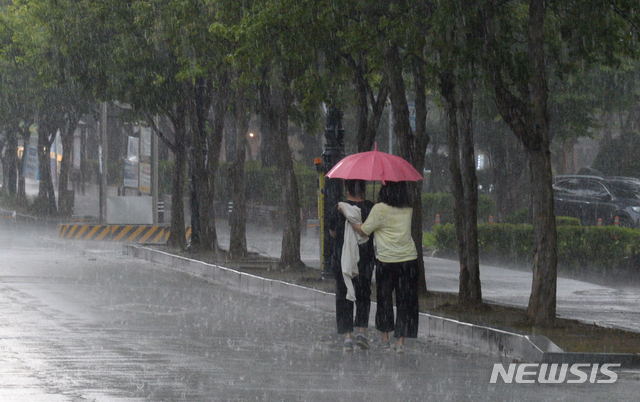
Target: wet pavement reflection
{"x": 81, "y": 322}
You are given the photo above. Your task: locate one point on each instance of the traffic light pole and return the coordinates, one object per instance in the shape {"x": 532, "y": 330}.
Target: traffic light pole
{"x": 332, "y": 192}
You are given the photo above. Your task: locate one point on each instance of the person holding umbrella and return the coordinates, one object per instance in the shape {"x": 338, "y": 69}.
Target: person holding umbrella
{"x": 357, "y": 287}
{"x": 397, "y": 266}
{"x": 390, "y": 223}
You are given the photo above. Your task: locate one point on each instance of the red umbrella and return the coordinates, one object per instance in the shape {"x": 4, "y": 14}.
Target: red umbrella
{"x": 374, "y": 165}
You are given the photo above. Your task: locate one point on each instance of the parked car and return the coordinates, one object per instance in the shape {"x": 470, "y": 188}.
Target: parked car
{"x": 590, "y": 198}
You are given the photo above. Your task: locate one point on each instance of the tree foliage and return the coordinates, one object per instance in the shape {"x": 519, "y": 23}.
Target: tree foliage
{"x": 553, "y": 71}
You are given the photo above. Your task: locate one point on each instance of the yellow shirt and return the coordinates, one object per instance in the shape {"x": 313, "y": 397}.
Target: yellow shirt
{"x": 391, "y": 228}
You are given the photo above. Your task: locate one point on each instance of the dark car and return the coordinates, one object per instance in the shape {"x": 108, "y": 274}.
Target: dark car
{"x": 590, "y": 198}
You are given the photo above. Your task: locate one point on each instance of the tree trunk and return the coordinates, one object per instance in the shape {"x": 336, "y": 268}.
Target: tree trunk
{"x": 470, "y": 292}
{"x": 46, "y": 192}
{"x": 451, "y": 109}
{"x": 542, "y": 302}
{"x": 267, "y": 151}
{"x": 26, "y": 139}
{"x": 464, "y": 186}
{"x": 4, "y": 188}
{"x": 65, "y": 202}
{"x": 238, "y": 238}
{"x": 177, "y": 236}
{"x": 367, "y": 126}
{"x": 412, "y": 146}
{"x": 528, "y": 119}
{"x": 203, "y": 234}
{"x": 11, "y": 162}
{"x": 290, "y": 255}
{"x": 275, "y": 105}
{"x": 213, "y": 155}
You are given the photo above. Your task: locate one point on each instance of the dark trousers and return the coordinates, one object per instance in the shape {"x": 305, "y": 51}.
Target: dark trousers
{"x": 401, "y": 278}
{"x": 344, "y": 307}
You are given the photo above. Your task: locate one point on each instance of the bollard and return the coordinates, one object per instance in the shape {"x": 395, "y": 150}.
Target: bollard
{"x": 599, "y": 222}
{"x": 437, "y": 219}
{"x": 490, "y": 219}
{"x": 616, "y": 221}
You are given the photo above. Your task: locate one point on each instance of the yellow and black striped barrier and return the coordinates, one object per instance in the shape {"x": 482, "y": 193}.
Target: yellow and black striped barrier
{"x": 148, "y": 234}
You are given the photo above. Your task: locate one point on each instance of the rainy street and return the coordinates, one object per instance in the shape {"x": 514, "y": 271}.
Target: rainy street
{"x": 82, "y": 322}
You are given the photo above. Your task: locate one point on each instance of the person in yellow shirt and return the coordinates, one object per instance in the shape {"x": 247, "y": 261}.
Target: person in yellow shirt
{"x": 397, "y": 268}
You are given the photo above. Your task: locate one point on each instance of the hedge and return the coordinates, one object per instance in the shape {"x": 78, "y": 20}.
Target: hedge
{"x": 580, "y": 249}
{"x": 442, "y": 204}
{"x": 264, "y": 185}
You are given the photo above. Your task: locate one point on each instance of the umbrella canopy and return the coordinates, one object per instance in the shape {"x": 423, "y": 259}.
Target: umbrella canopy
{"x": 374, "y": 165}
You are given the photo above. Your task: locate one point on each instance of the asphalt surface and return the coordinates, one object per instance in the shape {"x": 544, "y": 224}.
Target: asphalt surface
{"x": 81, "y": 322}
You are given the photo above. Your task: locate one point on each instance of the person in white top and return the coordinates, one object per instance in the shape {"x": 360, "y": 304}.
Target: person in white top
{"x": 397, "y": 266}
{"x": 359, "y": 282}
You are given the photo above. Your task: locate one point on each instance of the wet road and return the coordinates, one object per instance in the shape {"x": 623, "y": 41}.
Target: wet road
{"x": 81, "y": 322}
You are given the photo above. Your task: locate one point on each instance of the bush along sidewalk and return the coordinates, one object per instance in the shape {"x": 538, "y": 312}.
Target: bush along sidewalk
{"x": 441, "y": 204}
{"x": 607, "y": 250}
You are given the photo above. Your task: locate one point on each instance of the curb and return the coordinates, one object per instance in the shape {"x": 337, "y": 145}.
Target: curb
{"x": 530, "y": 348}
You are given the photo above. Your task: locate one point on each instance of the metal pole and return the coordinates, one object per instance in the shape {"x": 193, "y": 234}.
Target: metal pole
{"x": 318, "y": 164}
{"x": 390, "y": 129}
{"x": 332, "y": 154}
{"x": 154, "y": 173}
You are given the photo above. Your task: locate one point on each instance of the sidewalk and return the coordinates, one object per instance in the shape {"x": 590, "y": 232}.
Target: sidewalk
{"x": 607, "y": 306}
{"x": 587, "y": 302}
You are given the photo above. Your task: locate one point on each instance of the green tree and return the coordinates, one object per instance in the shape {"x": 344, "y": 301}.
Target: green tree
{"x": 526, "y": 113}
{"x": 456, "y": 39}
{"x": 276, "y": 52}
{"x": 19, "y": 94}
{"x": 523, "y": 40}
{"x": 403, "y": 60}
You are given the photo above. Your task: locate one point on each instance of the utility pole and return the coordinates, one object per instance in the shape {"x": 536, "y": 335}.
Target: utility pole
{"x": 154, "y": 173}
{"x": 332, "y": 191}
{"x": 390, "y": 129}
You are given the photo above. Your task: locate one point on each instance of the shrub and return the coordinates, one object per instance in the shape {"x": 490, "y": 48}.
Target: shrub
{"x": 442, "y": 204}
{"x": 263, "y": 185}
{"x": 567, "y": 221}
{"x": 580, "y": 249}
{"x": 429, "y": 239}
{"x": 518, "y": 217}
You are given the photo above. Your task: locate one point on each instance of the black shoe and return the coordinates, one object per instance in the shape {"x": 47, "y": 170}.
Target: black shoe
{"x": 348, "y": 345}
{"x": 362, "y": 342}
